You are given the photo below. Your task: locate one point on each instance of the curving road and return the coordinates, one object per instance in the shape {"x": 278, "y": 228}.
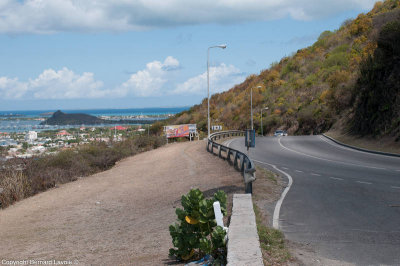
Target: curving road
{"x": 343, "y": 203}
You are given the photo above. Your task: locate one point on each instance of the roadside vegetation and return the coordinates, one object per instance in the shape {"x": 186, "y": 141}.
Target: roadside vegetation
{"x": 350, "y": 75}
{"x": 195, "y": 234}
{"x": 22, "y": 178}
{"x": 272, "y": 242}
{"x": 266, "y": 192}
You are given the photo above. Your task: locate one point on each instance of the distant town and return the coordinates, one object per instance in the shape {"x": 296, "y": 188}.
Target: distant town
{"x": 33, "y": 143}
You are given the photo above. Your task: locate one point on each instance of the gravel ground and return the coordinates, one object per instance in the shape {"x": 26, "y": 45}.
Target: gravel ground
{"x": 117, "y": 217}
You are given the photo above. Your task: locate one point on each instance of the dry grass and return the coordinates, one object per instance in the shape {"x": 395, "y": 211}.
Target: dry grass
{"x": 15, "y": 186}
{"x": 119, "y": 216}
{"x": 23, "y": 178}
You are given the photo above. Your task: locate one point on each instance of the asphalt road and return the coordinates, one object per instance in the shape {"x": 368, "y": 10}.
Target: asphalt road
{"x": 343, "y": 203}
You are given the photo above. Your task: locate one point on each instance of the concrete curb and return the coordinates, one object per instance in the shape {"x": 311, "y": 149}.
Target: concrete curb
{"x": 243, "y": 243}
{"x": 361, "y": 149}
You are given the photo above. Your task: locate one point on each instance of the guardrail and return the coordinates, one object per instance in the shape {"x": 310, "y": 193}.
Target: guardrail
{"x": 238, "y": 159}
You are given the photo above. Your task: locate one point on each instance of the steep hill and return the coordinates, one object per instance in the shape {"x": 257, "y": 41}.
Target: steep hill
{"x": 60, "y": 118}
{"x": 349, "y": 77}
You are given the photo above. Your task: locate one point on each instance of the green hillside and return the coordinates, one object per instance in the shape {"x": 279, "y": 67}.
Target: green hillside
{"x": 350, "y": 75}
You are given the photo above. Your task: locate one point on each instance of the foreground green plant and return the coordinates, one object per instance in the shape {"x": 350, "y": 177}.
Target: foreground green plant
{"x": 196, "y": 232}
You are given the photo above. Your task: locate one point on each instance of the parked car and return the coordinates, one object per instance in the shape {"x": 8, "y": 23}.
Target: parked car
{"x": 280, "y": 133}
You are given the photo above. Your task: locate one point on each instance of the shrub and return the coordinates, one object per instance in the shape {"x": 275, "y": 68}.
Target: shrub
{"x": 338, "y": 77}
{"x": 15, "y": 186}
{"x": 337, "y": 59}
{"x": 157, "y": 128}
{"x": 378, "y": 93}
{"x": 196, "y": 233}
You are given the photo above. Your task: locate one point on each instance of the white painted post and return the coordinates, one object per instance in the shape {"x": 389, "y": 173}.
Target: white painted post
{"x": 218, "y": 214}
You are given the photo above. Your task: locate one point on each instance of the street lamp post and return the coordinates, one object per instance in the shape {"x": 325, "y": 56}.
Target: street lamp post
{"x": 223, "y": 46}
{"x": 262, "y": 133}
{"x": 251, "y": 105}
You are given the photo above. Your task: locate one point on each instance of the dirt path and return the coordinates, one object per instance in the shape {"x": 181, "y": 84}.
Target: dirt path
{"x": 117, "y": 217}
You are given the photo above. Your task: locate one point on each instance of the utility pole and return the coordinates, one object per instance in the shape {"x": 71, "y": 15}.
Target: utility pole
{"x": 251, "y": 107}
{"x": 262, "y": 133}
{"x": 222, "y": 46}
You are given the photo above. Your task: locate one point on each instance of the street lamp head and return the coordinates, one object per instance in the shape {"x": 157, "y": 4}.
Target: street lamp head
{"x": 259, "y": 87}
{"x": 223, "y": 46}
{"x": 266, "y": 108}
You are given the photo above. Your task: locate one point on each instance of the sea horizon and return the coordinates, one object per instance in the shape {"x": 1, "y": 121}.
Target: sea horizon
{"x": 100, "y": 111}
{"x": 25, "y": 120}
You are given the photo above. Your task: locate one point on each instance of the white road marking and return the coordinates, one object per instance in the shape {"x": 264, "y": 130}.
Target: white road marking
{"x": 298, "y": 171}
{"x": 275, "y": 219}
{"x": 315, "y": 174}
{"x": 398, "y": 170}
{"x": 362, "y": 182}
{"x": 328, "y": 160}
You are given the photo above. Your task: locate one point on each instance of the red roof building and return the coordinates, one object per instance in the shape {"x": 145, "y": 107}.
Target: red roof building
{"x": 119, "y": 128}
{"x": 63, "y": 133}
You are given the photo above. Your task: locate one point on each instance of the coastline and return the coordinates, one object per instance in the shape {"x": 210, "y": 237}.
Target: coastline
{"x": 22, "y": 121}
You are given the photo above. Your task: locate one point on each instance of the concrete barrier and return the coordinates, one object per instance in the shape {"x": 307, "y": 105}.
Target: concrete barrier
{"x": 243, "y": 242}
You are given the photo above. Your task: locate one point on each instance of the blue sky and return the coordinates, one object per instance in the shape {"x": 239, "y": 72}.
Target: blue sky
{"x": 66, "y": 54}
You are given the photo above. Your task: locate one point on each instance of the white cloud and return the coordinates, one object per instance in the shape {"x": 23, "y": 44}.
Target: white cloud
{"x": 12, "y": 88}
{"x": 222, "y": 78}
{"x": 155, "y": 80}
{"x": 51, "y": 84}
{"x": 49, "y": 16}
{"x": 149, "y": 81}
{"x": 65, "y": 84}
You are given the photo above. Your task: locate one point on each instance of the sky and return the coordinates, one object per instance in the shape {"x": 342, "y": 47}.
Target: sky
{"x": 75, "y": 54}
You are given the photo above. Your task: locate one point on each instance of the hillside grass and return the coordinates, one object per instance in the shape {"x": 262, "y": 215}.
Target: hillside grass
{"x": 309, "y": 91}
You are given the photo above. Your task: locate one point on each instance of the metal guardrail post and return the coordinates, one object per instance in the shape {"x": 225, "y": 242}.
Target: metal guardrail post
{"x": 235, "y": 164}
{"x": 242, "y": 159}
{"x": 248, "y": 188}
{"x": 245, "y": 165}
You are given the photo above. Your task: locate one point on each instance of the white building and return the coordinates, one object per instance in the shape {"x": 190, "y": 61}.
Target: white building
{"x": 38, "y": 149}
{"x": 31, "y": 136}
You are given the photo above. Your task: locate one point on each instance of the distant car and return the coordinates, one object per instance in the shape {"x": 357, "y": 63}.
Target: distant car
{"x": 280, "y": 133}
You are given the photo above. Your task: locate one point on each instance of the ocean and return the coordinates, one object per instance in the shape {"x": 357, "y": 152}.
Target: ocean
{"x": 99, "y": 112}
{"x": 21, "y": 121}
